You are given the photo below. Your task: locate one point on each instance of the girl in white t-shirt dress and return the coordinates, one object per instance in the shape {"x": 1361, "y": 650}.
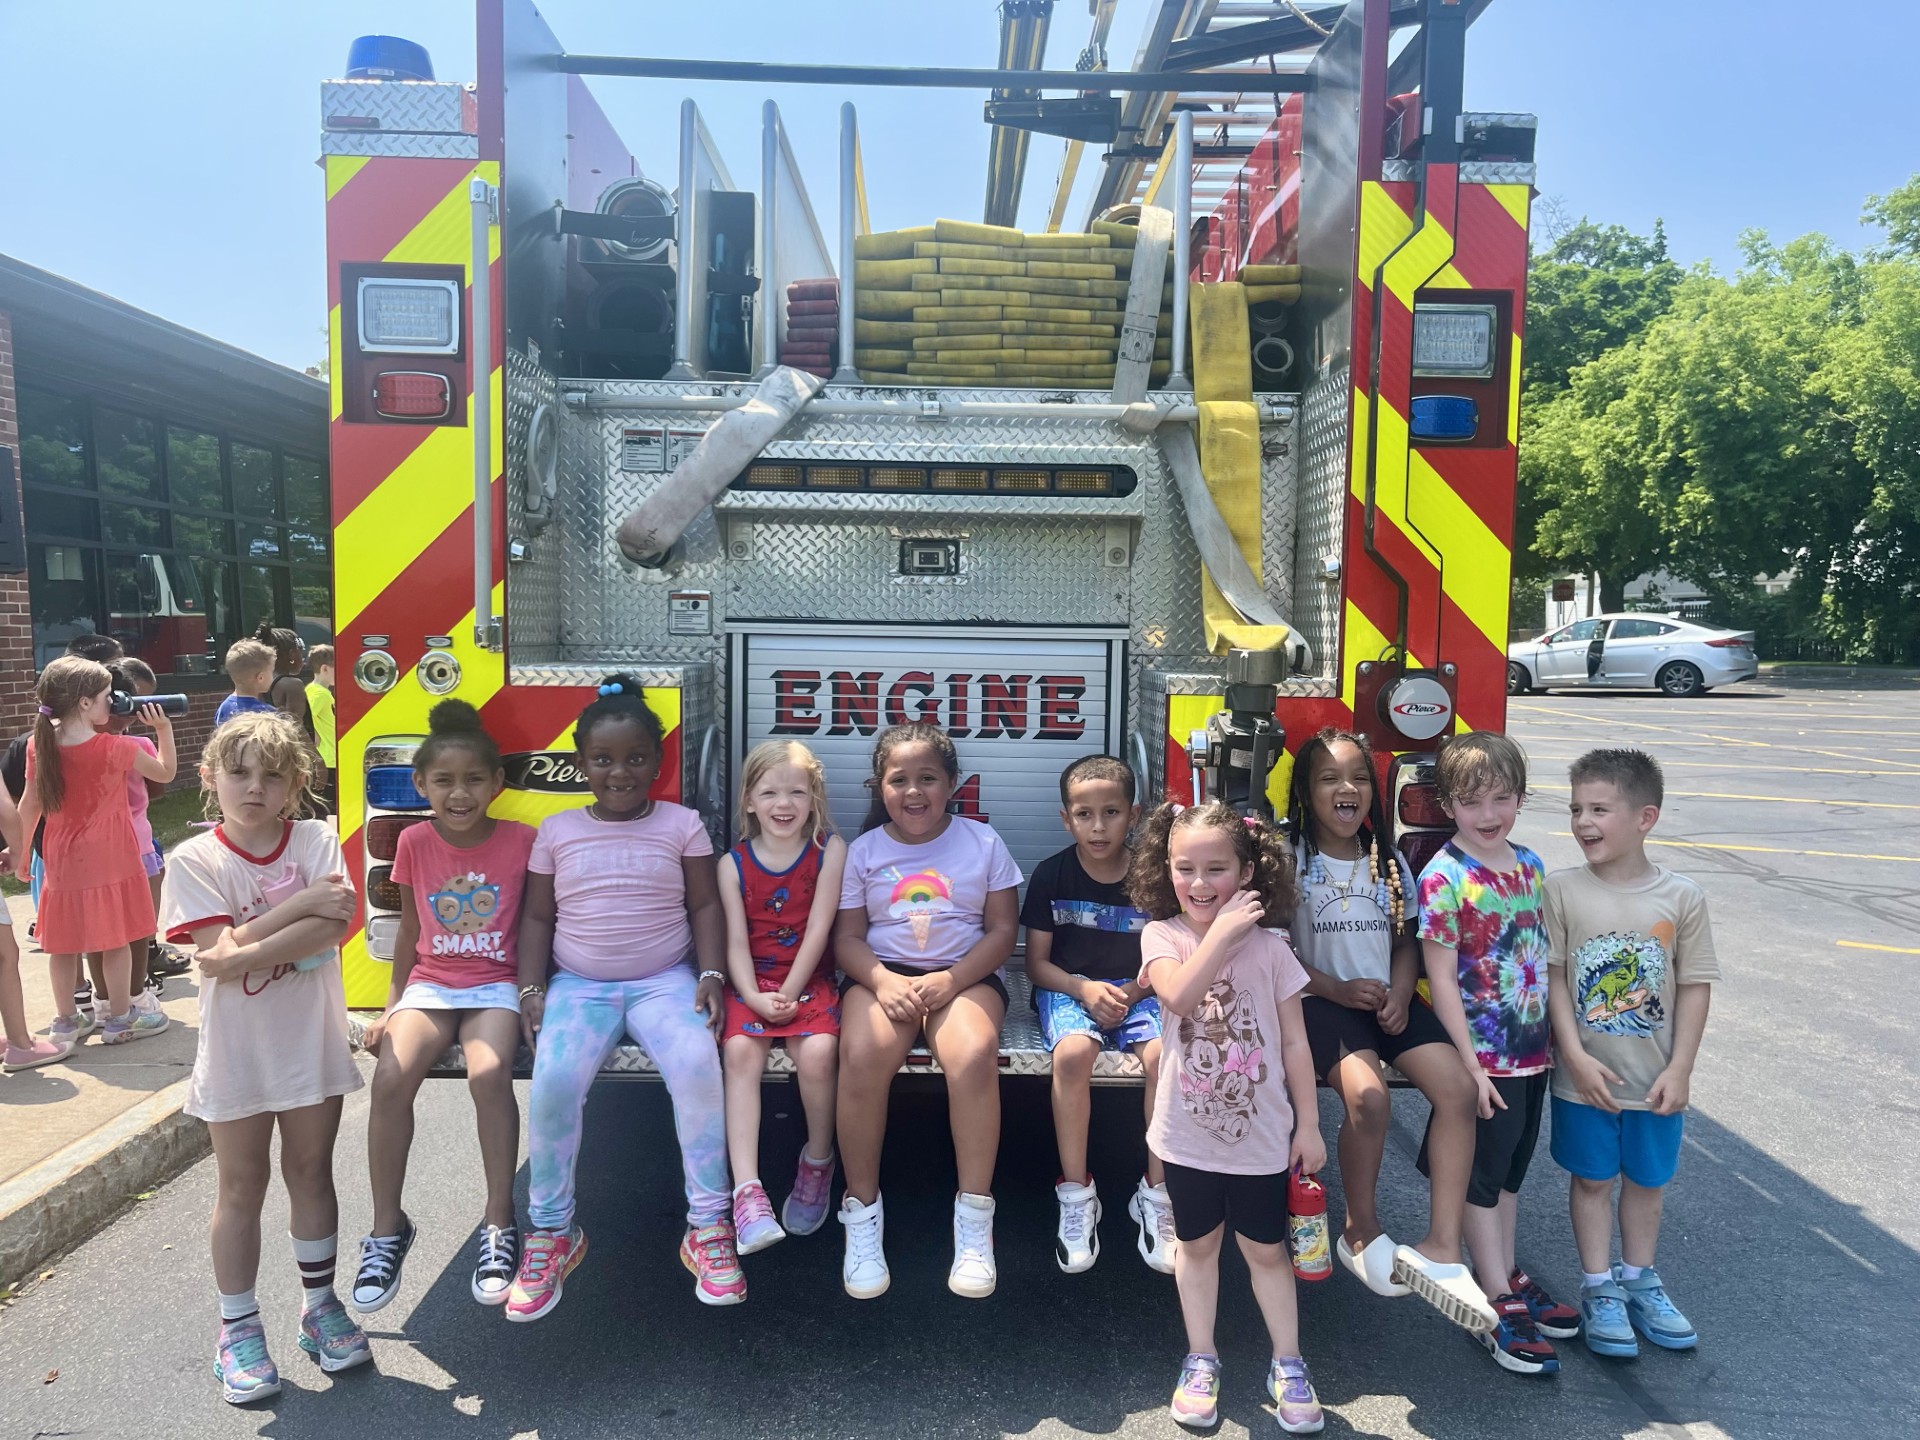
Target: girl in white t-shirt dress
{"x": 265, "y": 899}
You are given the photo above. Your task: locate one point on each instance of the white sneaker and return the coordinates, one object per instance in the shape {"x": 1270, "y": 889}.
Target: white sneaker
{"x": 147, "y": 1002}
{"x": 1152, "y": 1211}
{"x": 972, "y": 1274}
{"x": 1076, "y": 1244}
{"x": 864, "y": 1269}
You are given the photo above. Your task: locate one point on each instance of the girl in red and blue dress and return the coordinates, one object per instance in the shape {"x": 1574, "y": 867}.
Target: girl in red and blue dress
{"x": 780, "y": 889}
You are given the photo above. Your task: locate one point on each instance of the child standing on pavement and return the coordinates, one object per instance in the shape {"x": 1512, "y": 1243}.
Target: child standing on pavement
{"x": 25, "y": 1050}
{"x": 623, "y": 910}
{"x": 265, "y": 899}
{"x": 1354, "y": 932}
{"x": 94, "y": 895}
{"x": 455, "y": 978}
{"x": 1483, "y": 933}
{"x": 1236, "y": 1108}
{"x": 928, "y": 914}
{"x": 780, "y": 889}
{"x": 1634, "y": 962}
{"x": 1083, "y": 957}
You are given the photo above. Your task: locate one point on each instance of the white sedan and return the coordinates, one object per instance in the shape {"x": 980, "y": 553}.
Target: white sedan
{"x": 1675, "y": 657}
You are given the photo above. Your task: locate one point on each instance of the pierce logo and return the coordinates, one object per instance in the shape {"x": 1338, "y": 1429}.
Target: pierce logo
{"x": 1414, "y": 709}
{"x": 546, "y": 771}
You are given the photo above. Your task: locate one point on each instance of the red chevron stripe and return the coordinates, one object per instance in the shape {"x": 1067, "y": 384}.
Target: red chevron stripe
{"x": 1483, "y": 479}
{"x": 429, "y": 597}
{"x": 380, "y": 206}
{"x": 1482, "y": 677}
{"x": 364, "y": 455}
{"x": 1491, "y": 250}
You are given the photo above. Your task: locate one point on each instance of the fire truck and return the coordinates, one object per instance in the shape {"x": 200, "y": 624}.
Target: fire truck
{"x": 598, "y": 410}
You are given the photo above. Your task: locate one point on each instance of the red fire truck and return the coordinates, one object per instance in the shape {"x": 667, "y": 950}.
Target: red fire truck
{"x": 1042, "y": 490}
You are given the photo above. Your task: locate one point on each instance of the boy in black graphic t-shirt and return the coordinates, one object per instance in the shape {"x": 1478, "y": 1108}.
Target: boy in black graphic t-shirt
{"x": 1083, "y": 957}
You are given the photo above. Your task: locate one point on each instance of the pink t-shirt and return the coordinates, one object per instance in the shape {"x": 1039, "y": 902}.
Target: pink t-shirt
{"x": 1222, "y": 1104}
{"x": 621, "y": 896}
{"x": 137, "y": 797}
{"x": 468, "y": 901}
{"x": 926, "y": 904}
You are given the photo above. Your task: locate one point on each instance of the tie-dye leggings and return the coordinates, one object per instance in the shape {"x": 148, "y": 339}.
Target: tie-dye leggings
{"x": 584, "y": 1021}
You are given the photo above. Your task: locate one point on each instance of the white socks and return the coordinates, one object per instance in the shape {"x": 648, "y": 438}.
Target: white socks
{"x": 237, "y": 1307}
{"x": 1589, "y": 1279}
{"x": 315, "y": 1259}
{"x": 1630, "y": 1272}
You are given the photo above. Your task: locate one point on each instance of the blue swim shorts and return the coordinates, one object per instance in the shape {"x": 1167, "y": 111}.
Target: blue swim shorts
{"x": 1061, "y": 1015}
{"x": 1597, "y": 1145}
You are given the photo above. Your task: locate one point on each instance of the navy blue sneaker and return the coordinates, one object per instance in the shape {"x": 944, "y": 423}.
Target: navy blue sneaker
{"x": 1515, "y": 1342}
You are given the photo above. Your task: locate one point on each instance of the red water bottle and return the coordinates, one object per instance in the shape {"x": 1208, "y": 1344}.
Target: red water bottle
{"x": 1307, "y": 1226}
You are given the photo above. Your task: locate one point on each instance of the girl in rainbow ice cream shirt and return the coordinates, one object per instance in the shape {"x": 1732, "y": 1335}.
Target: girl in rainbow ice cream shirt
{"x": 928, "y": 916}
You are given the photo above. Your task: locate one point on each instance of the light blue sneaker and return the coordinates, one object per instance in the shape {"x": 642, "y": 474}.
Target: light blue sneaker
{"x": 136, "y": 1024}
{"x": 328, "y": 1334}
{"x": 1603, "y": 1317}
{"x": 1654, "y": 1314}
{"x": 241, "y": 1364}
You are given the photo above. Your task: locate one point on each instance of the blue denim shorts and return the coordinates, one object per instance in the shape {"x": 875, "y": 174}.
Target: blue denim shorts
{"x": 1596, "y": 1144}
{"x": 1061, "y": 1015}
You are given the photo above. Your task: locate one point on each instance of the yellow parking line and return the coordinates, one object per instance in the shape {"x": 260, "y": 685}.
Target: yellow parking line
{"x": 1863, "y": 945}
{"x": 1770, "y": 799}
{"x": 1770, "y": 850}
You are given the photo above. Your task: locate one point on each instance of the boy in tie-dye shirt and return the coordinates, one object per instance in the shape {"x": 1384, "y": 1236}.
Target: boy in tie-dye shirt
{"x": 1484, "y": 939}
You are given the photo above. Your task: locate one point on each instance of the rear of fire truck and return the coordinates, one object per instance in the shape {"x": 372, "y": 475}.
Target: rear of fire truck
{"x": 809, "y": 479}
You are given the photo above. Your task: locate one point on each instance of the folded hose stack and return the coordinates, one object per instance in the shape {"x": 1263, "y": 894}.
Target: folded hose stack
{"x": 955, "y": 303}
{"x": 812, "y": 338}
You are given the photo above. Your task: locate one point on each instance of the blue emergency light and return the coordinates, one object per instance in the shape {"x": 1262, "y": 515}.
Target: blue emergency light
{"x": 387, "y": 57}
{"x": 391, "y": 787}
{"x": 1442, "y": 417}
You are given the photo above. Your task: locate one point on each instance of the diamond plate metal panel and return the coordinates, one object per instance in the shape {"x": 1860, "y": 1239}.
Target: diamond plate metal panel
{"x": 533, "y": 584}
{"x": 405, "y": 146}
{"x": 429, "y": 107}
{"x": 1498, "y": 172}
{"x": 1325, "y": 413}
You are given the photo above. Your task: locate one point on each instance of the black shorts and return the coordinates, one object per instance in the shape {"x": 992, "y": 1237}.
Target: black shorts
{"x": 1257, "y": 1204}
{"x": 993, "y": 982}
{"x": 1335, "y": 1031}
{"x": 1502, "y": 1146}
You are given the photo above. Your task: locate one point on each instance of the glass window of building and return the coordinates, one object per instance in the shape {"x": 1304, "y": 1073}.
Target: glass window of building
{"x": 63, "y": 586}
{"x": 313, "y": 605}
{"x": 193, "y": 469}
{"x": 53, "y": 438}
{"x": 62, "y": 514}
{"x": 253, "y": 487}
{"x": 144, "y": 526}
{"x": 257, "y": 599}
{"x": 126, "y": 451}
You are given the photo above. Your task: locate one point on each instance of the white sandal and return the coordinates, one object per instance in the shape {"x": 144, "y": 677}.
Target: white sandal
{"x": 1373, "y": 1265}
{"x": 1450, "y": 1289}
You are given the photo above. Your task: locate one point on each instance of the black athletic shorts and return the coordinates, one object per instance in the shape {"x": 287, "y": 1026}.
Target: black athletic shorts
{"x": 1335, "y": 1031}
{"x": 1502, "y": 1146}
{"x": 1256, "y": 1204}
{"x": 993, "y": 981}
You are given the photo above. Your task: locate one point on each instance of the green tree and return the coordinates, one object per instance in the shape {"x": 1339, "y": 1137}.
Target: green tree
{"x": 1898, "y": 213}
{"x": 1592, "y": 288}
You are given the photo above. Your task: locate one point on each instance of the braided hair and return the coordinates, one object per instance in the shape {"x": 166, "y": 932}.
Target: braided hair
{"x": 1385, "y": 881}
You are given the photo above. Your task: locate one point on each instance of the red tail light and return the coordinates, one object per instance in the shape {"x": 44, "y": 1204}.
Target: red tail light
{"x": 1732, "y": 642}
{"x": 1420, "y": 846}
{"x": 383, "y": 834}
{"x": 1420, "y": 805}
{"x": 383, "y": 892}
{"x": 412, "y": 395}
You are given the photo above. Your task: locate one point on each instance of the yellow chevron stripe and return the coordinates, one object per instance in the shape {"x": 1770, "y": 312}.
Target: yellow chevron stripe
{"x": 444, "y": 235}
{"x": 1478, "y": 574}
{"x": 341, "y": 169}
{"x": 1364, "y": 641}
{"x": 1513, "y": 395}
{"x": 334, "y": 391}
{"x": 386, "y": 532}
{"x": 1389, "y": 495}
{"x": 1516, "y": 200}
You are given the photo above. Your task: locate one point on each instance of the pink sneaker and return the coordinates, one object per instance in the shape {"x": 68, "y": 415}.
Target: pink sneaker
{"x": 546, "y": 1260}
{"x": 811, "y": 1198}
{"x": 708, "y": 1252}
{"x": 40, "y": 1052}
{"x": 753, "y": 1221}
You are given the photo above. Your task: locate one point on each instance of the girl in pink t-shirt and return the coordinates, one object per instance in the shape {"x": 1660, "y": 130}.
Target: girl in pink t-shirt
{"x": 1235, "y": 1109}
{"x": 623, "y": 912}
{"x": 455, "y": 978}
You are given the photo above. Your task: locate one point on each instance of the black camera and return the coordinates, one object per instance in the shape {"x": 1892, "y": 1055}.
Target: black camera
{"x": 121, "y": 702}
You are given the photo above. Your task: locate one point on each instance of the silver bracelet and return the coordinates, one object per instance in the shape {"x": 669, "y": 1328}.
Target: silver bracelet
{"x": 712, "y": 975}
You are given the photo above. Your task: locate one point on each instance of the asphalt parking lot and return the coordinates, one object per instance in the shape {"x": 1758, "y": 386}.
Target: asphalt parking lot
{"x": 1792, "y": 1236}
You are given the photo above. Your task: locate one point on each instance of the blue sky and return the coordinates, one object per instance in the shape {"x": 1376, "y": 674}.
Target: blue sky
{"x": 165, "y": 153}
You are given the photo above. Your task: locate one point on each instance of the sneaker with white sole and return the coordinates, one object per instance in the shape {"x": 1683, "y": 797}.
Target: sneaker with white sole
{"x": 1196, "y": 1395}
{"x": 547, "y": 1258}
{"x": 753, "y": 1222}
{"x": 32, "y": 1057}
{"x": 381, "y": 1257}
{"x": 1290, "y": 1388}
{"x": 973, "y": 1275}
{"x": 496, "y": 1264}
{"x": 135, "y": 1024}
{"x": 1152, "y": 1211}
{"x": 1653, "y": 1313}
{"x": 1076, "y": 1240}
{"x": 811, "y": 1198}
{"x": 72, "y": 1029}
{"x": 864, "y": 1269}
{"x": 241, "y": 1363}
{"x": 328, "y": 1334}
{"x": 709, "y": 1254}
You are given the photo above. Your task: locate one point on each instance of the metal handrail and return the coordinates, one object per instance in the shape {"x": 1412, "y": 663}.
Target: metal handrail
{"x": 1182, "y": 245}
{"x": 690, "y": 259}
{"x": 853, "y": 224}
{"x": 480, "y": 203}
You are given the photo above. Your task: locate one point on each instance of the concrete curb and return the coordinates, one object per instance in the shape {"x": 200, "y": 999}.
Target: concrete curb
{"x": 56, "y": 1204}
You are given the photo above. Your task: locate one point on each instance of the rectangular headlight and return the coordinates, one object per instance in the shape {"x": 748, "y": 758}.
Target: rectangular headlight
{"x": 1454, "y": 340}
{"x": 409, "y": 317}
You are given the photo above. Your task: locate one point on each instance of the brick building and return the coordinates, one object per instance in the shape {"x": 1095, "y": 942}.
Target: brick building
{"x": 172, "y": 489}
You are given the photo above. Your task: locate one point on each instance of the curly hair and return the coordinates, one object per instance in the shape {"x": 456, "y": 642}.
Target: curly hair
{"x": 281, "y": 745}
{"x": 1149, "y": 882}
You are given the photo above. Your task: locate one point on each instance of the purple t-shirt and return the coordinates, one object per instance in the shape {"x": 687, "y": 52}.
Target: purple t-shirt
{"x": 621, "y": 896}
{"x": 926, "y": 904}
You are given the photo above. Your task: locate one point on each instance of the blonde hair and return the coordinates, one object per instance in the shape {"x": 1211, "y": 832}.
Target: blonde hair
{"x": 771, "y": 755}
{"x": 281, "y": 746}
{"x": 63, "y": 685}
{"x": 248, "y": 657}
{"x": 1479, "y": 760}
